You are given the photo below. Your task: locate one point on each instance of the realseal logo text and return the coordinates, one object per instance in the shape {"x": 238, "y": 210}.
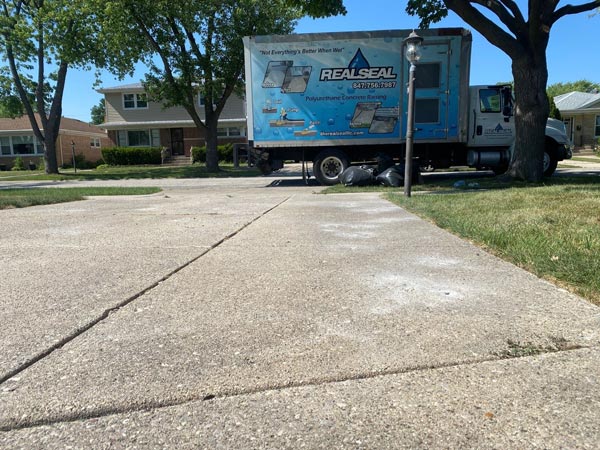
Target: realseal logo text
{"x": 358, "y": 69}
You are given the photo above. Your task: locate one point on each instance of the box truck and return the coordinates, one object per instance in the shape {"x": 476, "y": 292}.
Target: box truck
{"x": 341, "y": 98}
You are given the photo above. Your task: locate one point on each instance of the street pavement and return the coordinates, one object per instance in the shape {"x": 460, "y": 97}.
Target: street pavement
{"x": 258, "y": 313}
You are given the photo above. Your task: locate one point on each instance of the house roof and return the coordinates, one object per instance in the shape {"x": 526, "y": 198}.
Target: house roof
{"x": 22, "y": 124}
{"x": 122, "y": 88}
{"x": 574, "y": 101}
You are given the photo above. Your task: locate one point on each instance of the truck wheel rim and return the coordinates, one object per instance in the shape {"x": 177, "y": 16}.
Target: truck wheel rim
{"x": 546, "y": 161}
{"x": 332, "y": 167}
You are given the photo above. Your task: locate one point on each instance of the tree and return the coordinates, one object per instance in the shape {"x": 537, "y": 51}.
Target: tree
{"x": 525, "y": 42}
{"x": 194, "y": 47}
{"x": 39, "y": 41}
{"x": 98, "y": 112}
{"x": 319, "y": 8}
{"x": 579, "y": 86}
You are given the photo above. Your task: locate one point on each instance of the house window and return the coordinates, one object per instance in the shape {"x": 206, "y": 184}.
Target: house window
{"x": 139, "y": 138}
{"x": 135, "y": 101}
{"x": 5, "y": 145}
{"x": 597, "y": 132}
{"x": 25, "y": 145}
{"x": 201, "y": 99}
{"x": 95, "y": 142}
{"x": 229, "y": 132}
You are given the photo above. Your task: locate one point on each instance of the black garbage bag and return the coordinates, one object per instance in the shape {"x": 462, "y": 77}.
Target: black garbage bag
{"x": 383, "y": 161}
{"x": 356, "y": 176}
{"x": 392, "y": 176}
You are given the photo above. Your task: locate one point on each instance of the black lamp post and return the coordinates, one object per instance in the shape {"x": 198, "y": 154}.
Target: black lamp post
{"x": 413, "y": 54}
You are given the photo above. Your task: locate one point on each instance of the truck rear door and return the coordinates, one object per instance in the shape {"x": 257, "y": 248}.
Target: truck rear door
{"x": 431, "y": 92}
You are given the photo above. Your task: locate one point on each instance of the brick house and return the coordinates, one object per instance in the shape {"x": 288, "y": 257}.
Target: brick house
{"x": 17, "y": 139}
{"x": 133, "y": 120}
{"x": 581, "y": 114}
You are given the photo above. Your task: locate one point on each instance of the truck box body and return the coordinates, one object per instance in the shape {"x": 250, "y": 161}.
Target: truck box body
{"x": 339, "y": 98}
{"x": 350, "y": 88}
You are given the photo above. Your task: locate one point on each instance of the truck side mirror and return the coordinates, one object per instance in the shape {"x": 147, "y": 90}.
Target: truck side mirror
{"x": 507, "y": 109}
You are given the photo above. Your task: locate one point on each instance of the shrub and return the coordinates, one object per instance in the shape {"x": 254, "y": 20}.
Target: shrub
{"x": 129, "y": 156}
{"x": 198, "y": 154}
{"x": 81, "y": 163}
{"x": 18, "y": 164}
{"x": 225, "y": 152}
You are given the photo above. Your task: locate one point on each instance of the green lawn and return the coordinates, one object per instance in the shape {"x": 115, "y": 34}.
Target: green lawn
{"x": 21, "y": 198}
{"x": 132, "y": 172}
{"x": 590, "y": 158}
{"x": 551, "y": 229}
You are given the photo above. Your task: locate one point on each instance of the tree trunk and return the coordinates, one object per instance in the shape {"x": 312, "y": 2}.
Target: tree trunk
{"x": 212, "y": 155}
{"x": 50, "y": 160}
{"x": 531, "y": 115}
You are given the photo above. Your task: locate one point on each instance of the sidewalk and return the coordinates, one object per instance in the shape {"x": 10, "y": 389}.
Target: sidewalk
{"x": 253, "y": 317}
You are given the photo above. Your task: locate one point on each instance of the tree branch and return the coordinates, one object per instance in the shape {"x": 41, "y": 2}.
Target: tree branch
{"x": 500, "y": 10}
{"x": 492, "y": 32}
{"x": 514, "y": 9}
{"x": 570, "y": 9}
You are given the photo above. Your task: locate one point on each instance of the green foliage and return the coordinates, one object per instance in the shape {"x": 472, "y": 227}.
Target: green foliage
{"x": 564, "y": 88}
{"x": 319, "y": 8}
{"x": 429, "y": 12}
{"x": 21, "y": 198}
{"x": 194, "y": 47}
{"x": 98, "y": 112}
{"x": 81, "y": 163}
{"x": 198, "y": 154}
{"x": 554, "y": 111}
{"x": 225, "y": 152}
{"x": 18, "y": 164}
{"x": 127, "y": 156}
{"x": 39, "y": 42}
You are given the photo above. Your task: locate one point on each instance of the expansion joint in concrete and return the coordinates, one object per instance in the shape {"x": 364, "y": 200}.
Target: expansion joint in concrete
{"x": 92, "y": 323}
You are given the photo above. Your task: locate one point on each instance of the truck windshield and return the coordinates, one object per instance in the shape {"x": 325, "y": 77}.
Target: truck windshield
{"x": 489, "y": 100}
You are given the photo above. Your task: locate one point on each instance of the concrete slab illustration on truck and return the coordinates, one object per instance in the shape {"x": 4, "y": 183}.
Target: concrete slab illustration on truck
{"x": 339, "y": 98}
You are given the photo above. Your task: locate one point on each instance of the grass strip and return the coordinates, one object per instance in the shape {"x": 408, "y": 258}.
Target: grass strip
{"x": 134, "y": 172}
{"x": 550, "y": 230}
{"x": 21, "y": 198}
{"x": 592, "y": 159}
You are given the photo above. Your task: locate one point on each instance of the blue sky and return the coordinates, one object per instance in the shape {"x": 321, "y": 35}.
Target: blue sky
{"x": 572, "y": 51}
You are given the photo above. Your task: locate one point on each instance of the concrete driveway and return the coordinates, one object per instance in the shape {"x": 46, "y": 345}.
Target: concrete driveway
{"x": 250, "y": 313}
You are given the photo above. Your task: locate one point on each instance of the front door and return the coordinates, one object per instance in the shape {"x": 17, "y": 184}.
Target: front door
{"x": 490, "y": 126}
{"x": 177, "y": 146}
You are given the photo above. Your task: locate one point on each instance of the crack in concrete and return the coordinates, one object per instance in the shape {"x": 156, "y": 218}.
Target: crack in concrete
{"x": 145, "y": 406}
{"x": 107, "y": 312}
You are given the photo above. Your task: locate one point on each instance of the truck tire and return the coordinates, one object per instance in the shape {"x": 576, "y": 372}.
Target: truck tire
{"x": 550, "y": 163}
{"x": 329, "y": 165}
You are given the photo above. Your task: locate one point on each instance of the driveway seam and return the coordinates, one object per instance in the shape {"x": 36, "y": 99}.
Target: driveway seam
{"x": 107, "y": 312}
{"x": 146, "y": 406}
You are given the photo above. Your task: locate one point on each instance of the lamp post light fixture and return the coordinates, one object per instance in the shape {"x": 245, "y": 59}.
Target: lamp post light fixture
{"x": 413, "y": 54}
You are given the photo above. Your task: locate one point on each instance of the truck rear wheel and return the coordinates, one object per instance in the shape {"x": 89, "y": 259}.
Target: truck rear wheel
{"x": 329, "y": 165}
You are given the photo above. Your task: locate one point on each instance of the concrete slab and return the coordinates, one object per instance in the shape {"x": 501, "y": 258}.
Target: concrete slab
{"x": 65, "y": 265}
{"x": 546, "y": 401}
{"x": 323, "y": 288}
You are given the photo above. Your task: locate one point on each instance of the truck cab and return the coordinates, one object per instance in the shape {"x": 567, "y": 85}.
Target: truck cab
{"x": 491, "y": 131}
